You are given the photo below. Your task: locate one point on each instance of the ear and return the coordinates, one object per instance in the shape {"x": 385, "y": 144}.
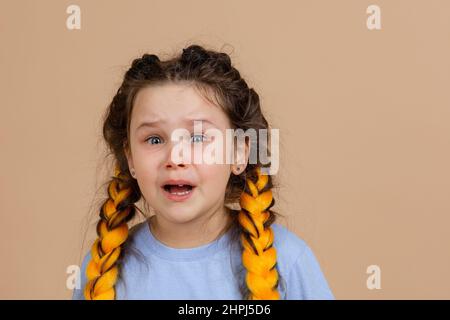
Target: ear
{"x": 242, "y": 153}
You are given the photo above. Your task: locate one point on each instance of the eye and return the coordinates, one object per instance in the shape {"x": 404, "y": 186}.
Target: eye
{"x": 203, "y": 137}
{"x": 152, "y": 138}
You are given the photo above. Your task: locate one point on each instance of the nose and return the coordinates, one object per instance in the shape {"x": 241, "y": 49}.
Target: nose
{"x": 172, "y": 164}
{"x": 176, "y": 158}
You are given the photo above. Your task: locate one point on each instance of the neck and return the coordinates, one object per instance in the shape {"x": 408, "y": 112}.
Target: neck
{"x": 195, "y": 233}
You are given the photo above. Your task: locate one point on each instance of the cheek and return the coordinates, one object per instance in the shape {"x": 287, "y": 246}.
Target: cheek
{"x": 146, "y": 165}
{"x": 146, "y": 159}
{"x": 147, "y": 168}
{"x": 214, "y": 175}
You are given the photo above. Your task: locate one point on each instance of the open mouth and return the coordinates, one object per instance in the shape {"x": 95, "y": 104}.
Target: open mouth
{"x": 178, "y": 189}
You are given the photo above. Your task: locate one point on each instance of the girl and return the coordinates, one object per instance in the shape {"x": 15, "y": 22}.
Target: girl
{"x": 195, "y": 245}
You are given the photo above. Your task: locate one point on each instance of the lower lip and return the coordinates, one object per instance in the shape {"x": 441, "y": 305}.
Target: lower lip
{"x": 177, "y": 197}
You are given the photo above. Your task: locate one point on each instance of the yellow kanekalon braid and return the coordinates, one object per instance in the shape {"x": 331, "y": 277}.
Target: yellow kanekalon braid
{"x": 262, "y": 276}
{"x": 112, "y": 229}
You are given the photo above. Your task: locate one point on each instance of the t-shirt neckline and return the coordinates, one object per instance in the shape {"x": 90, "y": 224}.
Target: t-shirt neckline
{"x": 183, "y": 254}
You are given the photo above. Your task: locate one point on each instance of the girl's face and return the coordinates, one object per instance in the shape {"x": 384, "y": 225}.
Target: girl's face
{"x": 169, "y": 107}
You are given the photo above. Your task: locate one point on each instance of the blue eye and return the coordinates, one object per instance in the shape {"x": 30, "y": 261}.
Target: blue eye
{"x": 194, "y": 139}
{"x": 201, "y": 135}
{"x": 152, "y": 137}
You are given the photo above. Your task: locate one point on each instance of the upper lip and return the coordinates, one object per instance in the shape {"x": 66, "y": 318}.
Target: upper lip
{"x": 175, "y": 182}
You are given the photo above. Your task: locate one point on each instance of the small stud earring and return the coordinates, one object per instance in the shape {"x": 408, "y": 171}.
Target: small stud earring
{"x": 132, "y": 172}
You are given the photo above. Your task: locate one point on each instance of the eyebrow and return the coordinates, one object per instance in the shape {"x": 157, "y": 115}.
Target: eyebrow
{"x": 155, "y": 123}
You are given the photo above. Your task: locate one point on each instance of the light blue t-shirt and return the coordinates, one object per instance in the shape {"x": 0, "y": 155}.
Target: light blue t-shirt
{"x": 153, "y": 271}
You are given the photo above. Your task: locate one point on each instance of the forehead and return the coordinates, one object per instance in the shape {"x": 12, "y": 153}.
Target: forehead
{"x": 175, "y": 102}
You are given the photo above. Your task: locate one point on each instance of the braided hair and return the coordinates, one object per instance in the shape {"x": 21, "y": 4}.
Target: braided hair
{"x": 211, "y": 72}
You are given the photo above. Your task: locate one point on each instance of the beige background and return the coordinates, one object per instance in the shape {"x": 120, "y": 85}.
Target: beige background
{"x": 363, "y": 117}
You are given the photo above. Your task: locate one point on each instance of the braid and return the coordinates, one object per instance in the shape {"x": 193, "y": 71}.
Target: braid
{"x": 259, "y": 255}
{"x": 112, "y": 230}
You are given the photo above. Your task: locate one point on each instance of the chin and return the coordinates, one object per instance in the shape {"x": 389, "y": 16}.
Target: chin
{"x": 179, "y": 215}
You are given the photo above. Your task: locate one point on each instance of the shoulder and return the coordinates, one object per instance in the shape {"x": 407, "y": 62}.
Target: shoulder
{"x": 289, "y": 246}
{"x": 299, "y": 266}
